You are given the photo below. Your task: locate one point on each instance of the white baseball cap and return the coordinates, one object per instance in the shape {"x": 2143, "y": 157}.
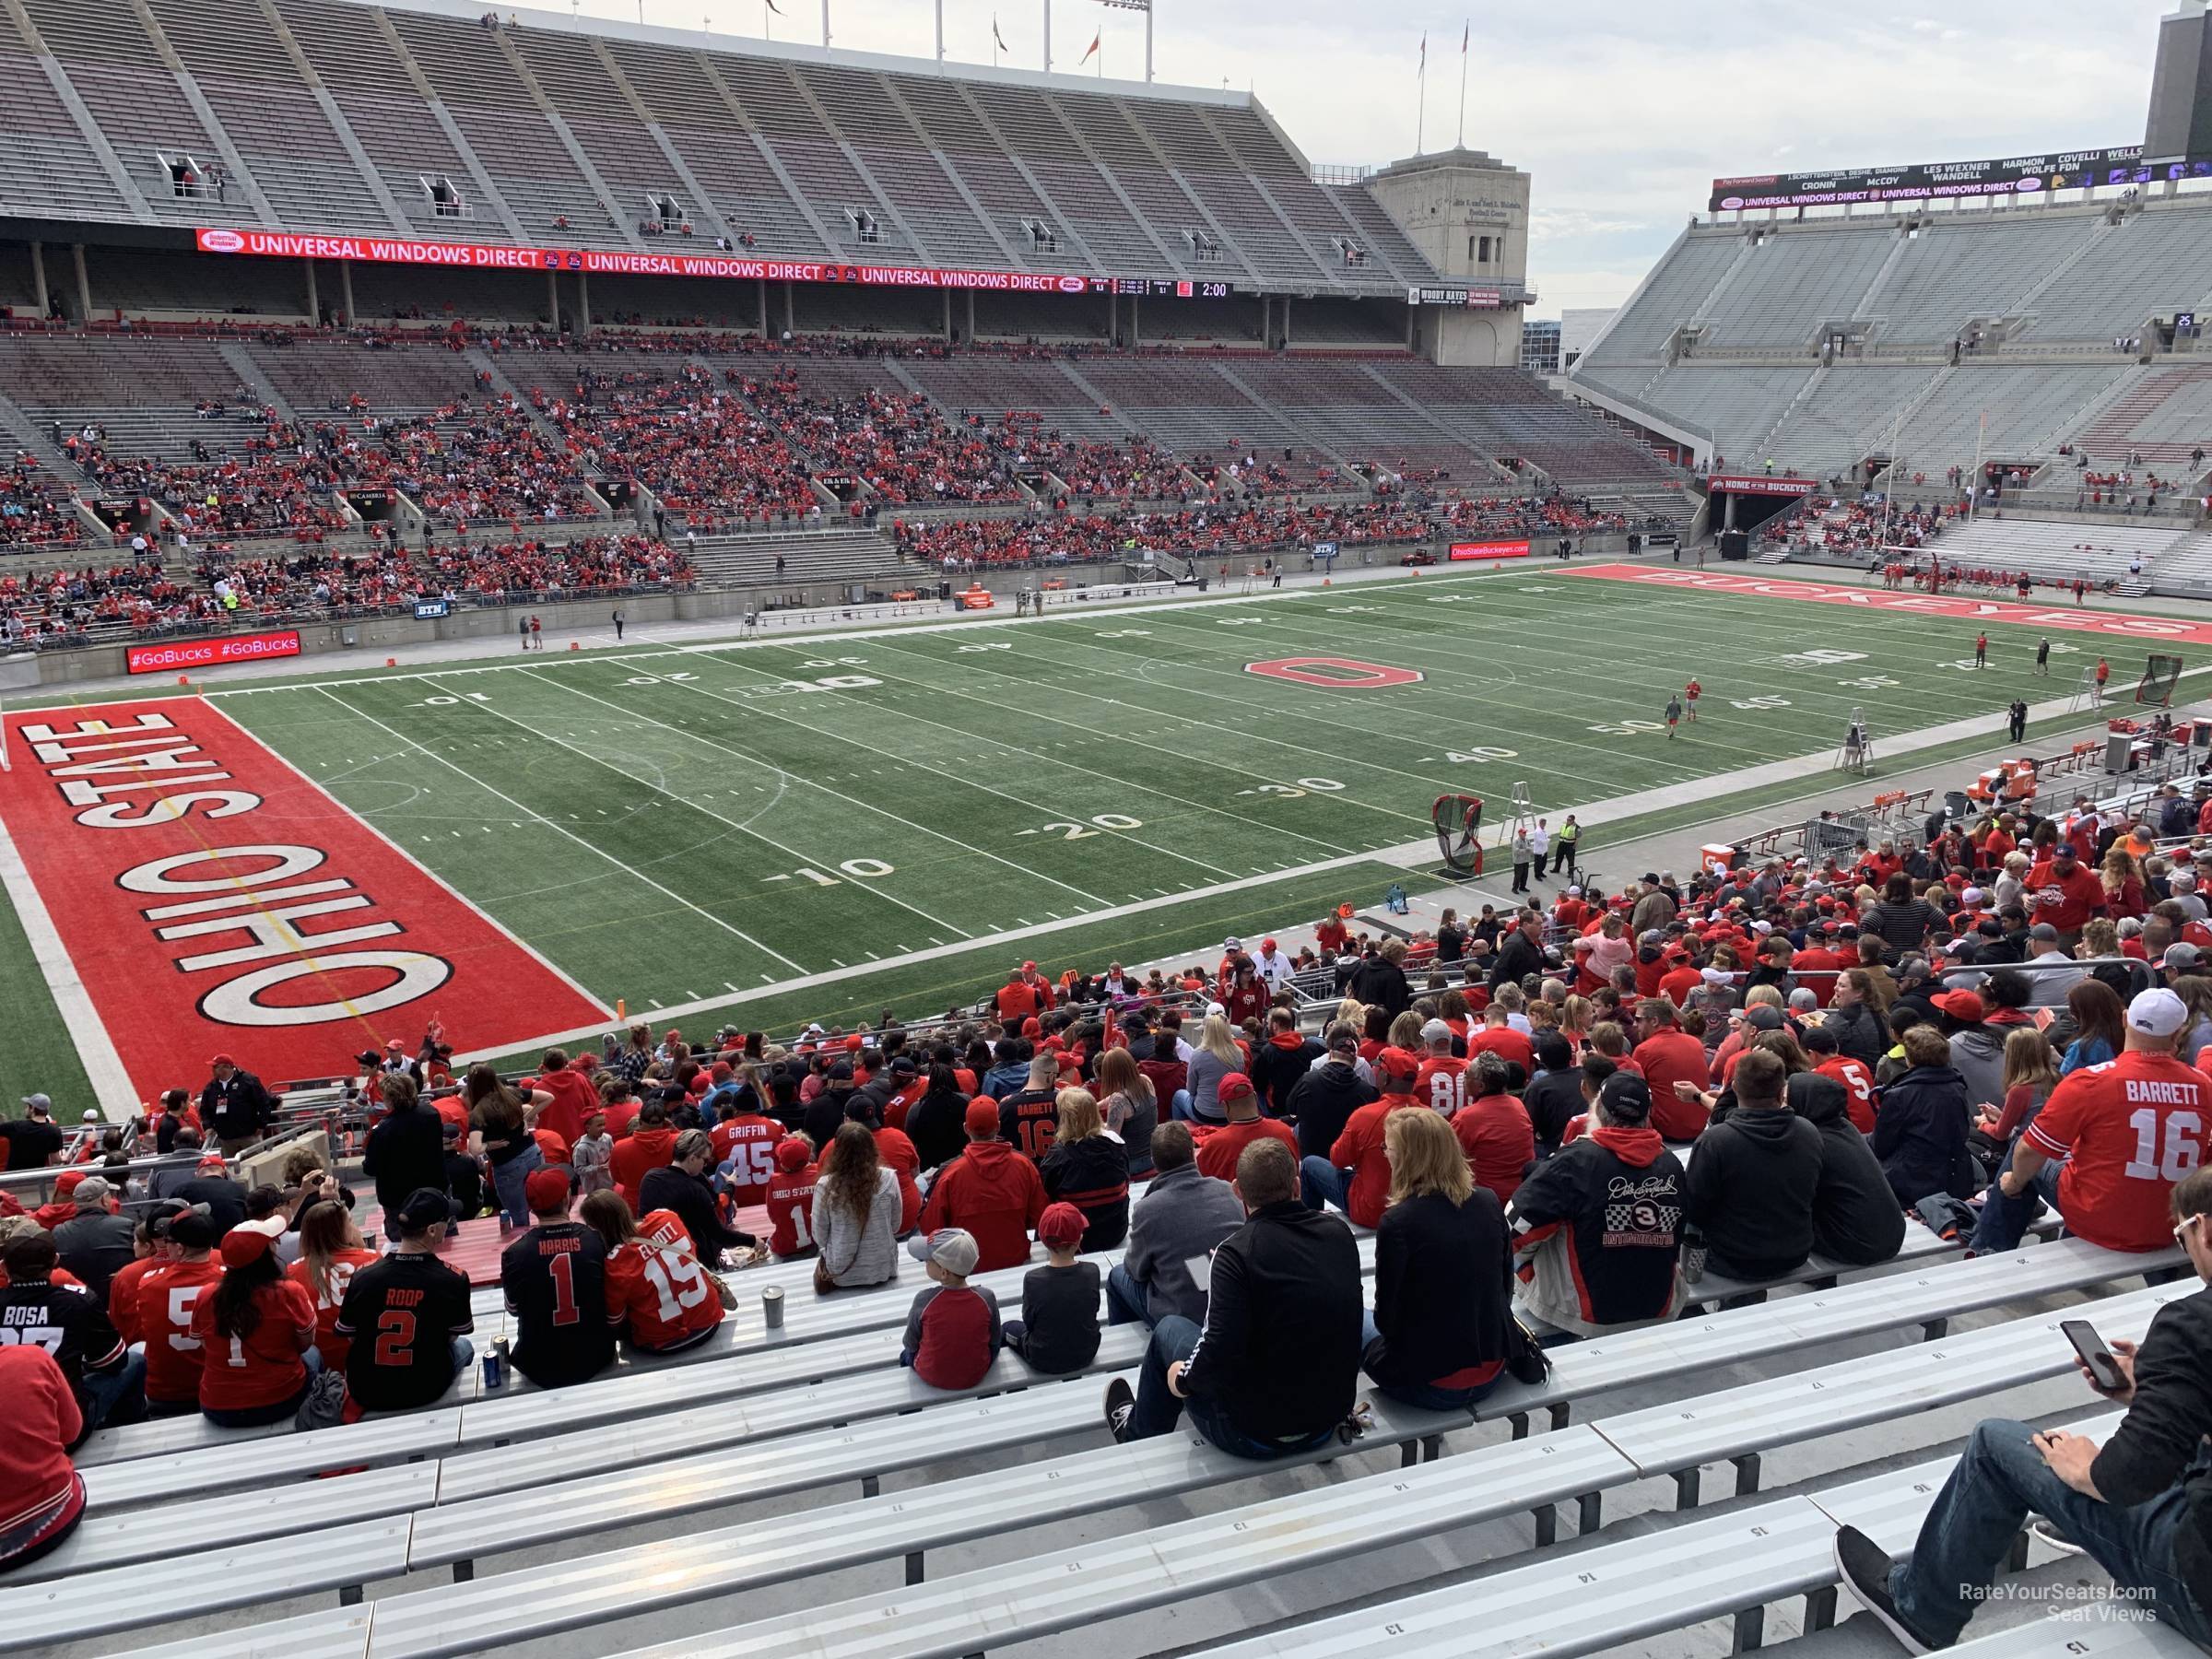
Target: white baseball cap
{"x": 2157, "y": 1013}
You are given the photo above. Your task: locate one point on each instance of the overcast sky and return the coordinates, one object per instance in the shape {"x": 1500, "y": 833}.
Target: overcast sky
{"x": 1623, "y": 113}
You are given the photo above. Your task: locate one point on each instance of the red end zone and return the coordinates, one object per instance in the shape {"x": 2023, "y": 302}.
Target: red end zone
{"x": 198, "y": 921}
{"x": 2054, "y": 617}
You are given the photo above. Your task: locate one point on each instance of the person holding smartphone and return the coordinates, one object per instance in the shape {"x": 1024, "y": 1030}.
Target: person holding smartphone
{"x": 2140, "y": 1504}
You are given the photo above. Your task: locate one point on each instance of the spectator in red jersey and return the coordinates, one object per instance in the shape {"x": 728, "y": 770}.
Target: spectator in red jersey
{"x": 1442, "y": 1081}
{"x": 991, "y": 1190}
{"x": 1666, "y": 1056}
{"x": 650, "y": 1144}
{"x": 1493, "y": 1128}
{"x": 791, "y": 1199}
{"x": 1443, "y": 1318}
{"x": 1497, "y": 1037}
{"x": 952, "y": 1330}
{"x": 2065, "y": 892}
{"x": 257, "y": 1332}
{"x": 1218, "y": 1152}
{"x": 1088, "y": 1168}
{"x": 1355, "y": 1176}
{"x": 1852, "y": 1076}
{"x": 166, "y": 1302}
{"x": 657, "y": 1292}
{"x": 2127, "y": 1132}
{"x": 745, "y": 1151}
{"x": 46, "y": 1495}
{"x": 330, "y": 1253}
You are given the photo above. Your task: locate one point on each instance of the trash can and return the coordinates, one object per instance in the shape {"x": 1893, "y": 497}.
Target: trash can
{"x": 2118, "y": 751}
{"x": 1955, "y": 803}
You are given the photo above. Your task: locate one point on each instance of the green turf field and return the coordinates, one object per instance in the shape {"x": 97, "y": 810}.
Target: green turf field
{"x": 679, "y": 827}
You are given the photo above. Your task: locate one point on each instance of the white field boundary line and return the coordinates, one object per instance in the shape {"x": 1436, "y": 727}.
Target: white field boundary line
{"x": 96, "y": 1050}
{"x": 532, "y": 812}
{"x": 1408, "y": 855}
{"x": 430, "y": 875}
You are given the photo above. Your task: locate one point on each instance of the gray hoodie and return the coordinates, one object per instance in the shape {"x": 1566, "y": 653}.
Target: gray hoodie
{"x": 1182, "y": 1215}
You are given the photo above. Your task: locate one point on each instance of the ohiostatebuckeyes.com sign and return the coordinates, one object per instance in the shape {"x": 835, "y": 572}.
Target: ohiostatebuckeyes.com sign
{"x": 210, "y": 898}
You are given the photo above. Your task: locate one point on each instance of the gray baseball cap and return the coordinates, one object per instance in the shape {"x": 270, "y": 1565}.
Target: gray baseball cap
{"x": 38, "y": 1104}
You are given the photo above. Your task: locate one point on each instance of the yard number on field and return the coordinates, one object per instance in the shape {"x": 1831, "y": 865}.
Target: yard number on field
{"x": 867, "y": 869}
{"x": 1317, "y": 786}
{"x": 1075, "y": 831}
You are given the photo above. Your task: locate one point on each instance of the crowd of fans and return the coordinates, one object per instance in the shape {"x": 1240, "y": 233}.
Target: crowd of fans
{"x": 1848, "y": 1044}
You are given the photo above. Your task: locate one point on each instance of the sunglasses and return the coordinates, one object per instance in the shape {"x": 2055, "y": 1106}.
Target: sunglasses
{"x": 2183, "y": 1226}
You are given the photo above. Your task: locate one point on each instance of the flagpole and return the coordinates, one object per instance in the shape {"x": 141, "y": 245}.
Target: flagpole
{"x": 1421, "y": 118}
{"x": 1048, "y": 36}
{"x": 1461, "y": 142}
{"x": 825, "y": 25}
{"x": 940, "y": 31}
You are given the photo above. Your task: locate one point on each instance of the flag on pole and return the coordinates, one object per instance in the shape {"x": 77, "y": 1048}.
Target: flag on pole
{"x": 1424, "y": 68}
{"x": 996, "y": 39}
{"x": 1092, "y": 48}
{"x": 1465, "y": 31}
{"x": 772, "y": 6}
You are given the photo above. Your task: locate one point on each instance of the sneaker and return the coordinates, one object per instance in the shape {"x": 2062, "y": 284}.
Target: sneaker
{"x": 1863, "y": 1566}
{"x": 2043, "y": 1531}
{"x": 1120, "y": 1406}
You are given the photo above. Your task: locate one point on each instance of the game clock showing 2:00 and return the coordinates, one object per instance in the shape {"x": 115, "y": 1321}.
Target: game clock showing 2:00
{"x": 1160, "y": 288}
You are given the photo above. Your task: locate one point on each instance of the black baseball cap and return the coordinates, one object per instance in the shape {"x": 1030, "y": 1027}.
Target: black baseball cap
{"x": 425, "y": 1208}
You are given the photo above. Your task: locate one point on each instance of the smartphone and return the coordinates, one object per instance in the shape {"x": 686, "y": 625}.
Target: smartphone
{"x": 2104, "y": 1371}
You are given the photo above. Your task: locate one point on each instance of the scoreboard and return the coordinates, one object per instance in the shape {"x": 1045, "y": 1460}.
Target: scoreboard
{"x": 1160, "y": 288}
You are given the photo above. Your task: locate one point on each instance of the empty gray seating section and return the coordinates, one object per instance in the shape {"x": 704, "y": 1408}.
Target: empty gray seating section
{"x": 1134, "y": 167}
{"x": 1670, "y": 297}
{"x": 281, "y": 132}
{"x": 397, "y": 132}
{"x": 1219, "y": 182}
{"x": 1966, "y": 266}
{"x": 819, "y": 169}
{"x": 1025, "y": 116}
{"x": 18, "y": 288}
{"x": 990, "y": 388}
{"x": 413, "y": 380}
{"x": 899, "y": 160}
{"x": 1229, "y": 320}
{"x": 1344, "y": 322}
{"x": 1345, "y": 408}
{"x": 1848, "y": 416}
{"x": 141, "y": 391}
{"x": 187, "y": 283}
{"x": 816, "y": 306}
{"x": 2157, "y": 261}
{"x": 531, "y": 167}
{"x": 1035, "y": 316}
{"x": 115, "y": 69}
{"x": 951, "y": 124}
{"x": 2166, "y": 416}
{"x": 1739, "y": 404}
{"x": 1792, "y": 282}
{"x": 1189, "y": 408}
{"x": 2101, "y": 552}
{"x": 1507, "y": 412}
{"x": 1310, "y": 208}
{"x": 719, "y": 150}
{"x": 385, "y": 291}
{"x": 2028, "y": 405}
{"x": 47, "y": 170}
{"x": 607, "y": 130}
{"x": 1383, "y": 234}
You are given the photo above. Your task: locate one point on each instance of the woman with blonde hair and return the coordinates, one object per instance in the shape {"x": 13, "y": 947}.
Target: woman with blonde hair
{"x": 1576, "y": 1016}
{"x": 1213, "y": 1057}
{"x": 1406, "y": 1031}
{"x": 1088, "y": 1168}
{"x": 1443, "y": 1321}
{"x": 2030, "y": 1074}
{"x": 1130, "y": 1107}
{"x": 2122, "y": 878}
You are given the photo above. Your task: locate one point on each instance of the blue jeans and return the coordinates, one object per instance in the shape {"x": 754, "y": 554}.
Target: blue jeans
{"x": 1421, "y": 1396}
{"x": 1157, "y": 1410}
{"x": 1126, "y": 1302}
{"x": 508, "y": 1179}
{"x": 118, "y": 1396}
{"x": 1322, "y": 1183}
{"x": 2001, "y": 1478}
{"x": 1180, "y": 1109}
{"x": 2005, "y": 1220}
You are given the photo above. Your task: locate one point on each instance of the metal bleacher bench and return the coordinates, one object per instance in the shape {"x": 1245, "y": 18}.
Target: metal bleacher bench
{"x": 1216, "y": 1552}
{"x": 1615, "y": 1594}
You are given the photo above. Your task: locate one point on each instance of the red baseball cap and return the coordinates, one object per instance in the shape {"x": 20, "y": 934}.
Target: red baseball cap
{"x": 1395, "y": 1064}
{"x": 792, "y": 1154}
{"x": 1266, "y": 944}
{"x": 982, "y": 1116}
{"x": 1028, "y": 966}
{"x": 222, "y": 1060}
{"x": 1961, "y": 1005}
{"x": 1062, "y": 1226}
{"x": 1236, "y": 1086}
{"x": 547, "y": 1189}
{"x": 248, "y": 1242}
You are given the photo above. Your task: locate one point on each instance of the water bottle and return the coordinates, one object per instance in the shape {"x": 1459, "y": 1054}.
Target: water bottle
{"x": 771, "y": 1308}
{"x": 1693, "y": 1256}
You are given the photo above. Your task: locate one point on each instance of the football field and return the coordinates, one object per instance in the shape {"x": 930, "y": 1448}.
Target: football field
{"x": 763, "y": 831}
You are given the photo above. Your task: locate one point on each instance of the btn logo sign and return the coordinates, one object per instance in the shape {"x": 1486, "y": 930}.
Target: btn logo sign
{"x": 1336, "y": 674}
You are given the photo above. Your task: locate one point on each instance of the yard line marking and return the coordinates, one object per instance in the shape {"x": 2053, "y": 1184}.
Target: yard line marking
{"x": 835, "y": 793}
{"x": 533, "y": 812}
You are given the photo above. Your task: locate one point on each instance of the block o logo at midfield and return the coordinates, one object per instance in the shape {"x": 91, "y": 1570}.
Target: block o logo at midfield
{"x": 1336, "y": 674}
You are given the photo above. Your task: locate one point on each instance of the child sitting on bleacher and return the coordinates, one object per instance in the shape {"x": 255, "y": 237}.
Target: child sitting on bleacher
{"x": 790, "y": 1198}
{"x": 1058, "y": 1330}
{"x": 952, "y": 1331}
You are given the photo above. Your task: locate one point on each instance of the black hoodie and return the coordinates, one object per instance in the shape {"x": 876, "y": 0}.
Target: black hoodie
{"x": 1278, "y": 1063}
{"x": 1322, "y": 1101}
{"x": 1856, "y": 1219}
{"x": 1751, "y": 1190}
